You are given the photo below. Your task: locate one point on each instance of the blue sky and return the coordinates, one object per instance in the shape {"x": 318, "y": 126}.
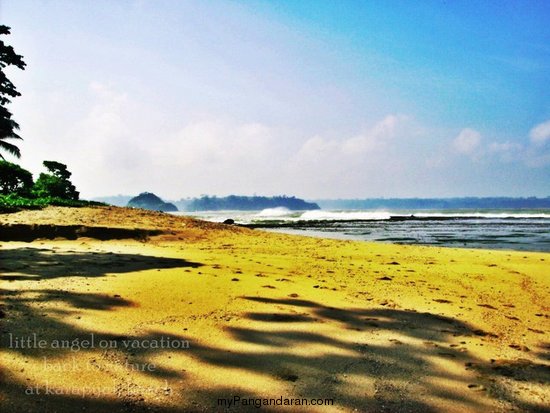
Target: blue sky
{"x": 320, "y": 99}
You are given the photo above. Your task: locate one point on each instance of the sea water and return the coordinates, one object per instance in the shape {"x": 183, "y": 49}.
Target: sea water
{"x": 526, "y": 230}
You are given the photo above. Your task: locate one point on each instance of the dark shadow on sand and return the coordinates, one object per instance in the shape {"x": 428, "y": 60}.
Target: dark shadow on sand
{"x": 401, "y": 373}
{"x": 387, "y": 364}
{"x": 28, "y": 233}
{"x": 39, "y": 264}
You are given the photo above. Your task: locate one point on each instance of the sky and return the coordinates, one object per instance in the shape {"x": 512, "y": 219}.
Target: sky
{"x": 317, "y": 99}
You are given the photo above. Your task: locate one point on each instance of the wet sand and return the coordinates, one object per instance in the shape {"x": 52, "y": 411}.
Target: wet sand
{"x": 173, "y": 314}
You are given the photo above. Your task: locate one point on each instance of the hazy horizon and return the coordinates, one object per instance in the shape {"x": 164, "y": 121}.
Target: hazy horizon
{"x": 185, "y": 198}
{"x": 317, "y": 99}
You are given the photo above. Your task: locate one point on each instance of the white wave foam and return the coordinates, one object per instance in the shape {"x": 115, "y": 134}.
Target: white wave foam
{"x": 320, "y": 215}
{"x": 285, "y": 215}
{"x": 274, "y": 212}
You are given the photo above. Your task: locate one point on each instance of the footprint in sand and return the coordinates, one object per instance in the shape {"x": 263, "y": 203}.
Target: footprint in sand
{"x": 288, "y": 376}
{"x": 534, "y": 330}
{"x": 487, "y": 306}
{"x": 520, "y": 347}
{"x": 445, "y": 354}
{"x": 482, "y": 333}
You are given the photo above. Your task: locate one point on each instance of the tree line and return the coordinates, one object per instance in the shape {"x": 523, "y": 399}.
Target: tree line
{"x": 247, "y": 203}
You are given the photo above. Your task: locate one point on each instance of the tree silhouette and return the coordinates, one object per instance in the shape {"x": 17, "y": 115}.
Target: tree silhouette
{"x": 8, "y": 126}
{"x": 14, "y": 179}
{"x": 56, "y": 183}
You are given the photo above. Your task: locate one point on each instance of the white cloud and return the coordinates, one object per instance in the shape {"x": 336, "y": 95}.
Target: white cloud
{"x": 318, "y": 149}
{"x": 114, "y": 142}
{"x": 467, "y": 141}
{"x": 213, "y": 143}
{"x": 366, "y": 162}
{"x": 117, "y": 144}
{"x": 540, "y": 133}
{"x": 506, "y": 151}
{"x": 376, "y": 137}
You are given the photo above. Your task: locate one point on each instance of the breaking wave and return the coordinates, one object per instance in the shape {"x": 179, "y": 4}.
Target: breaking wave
{"x": 274, "y": 212}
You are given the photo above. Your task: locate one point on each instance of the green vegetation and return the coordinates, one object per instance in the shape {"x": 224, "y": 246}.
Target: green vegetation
{"x": 8, "y": 126}
{"x": 17, "y": 188}
{"x": 14, "y": 179}
{"x": 56, "y": 183}
{"x": 248, "y": 203}
{"x": 18, "y": 191}
{"x": 14, "y": 203}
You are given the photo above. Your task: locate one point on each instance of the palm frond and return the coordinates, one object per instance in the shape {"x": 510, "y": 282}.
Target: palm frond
{"x": 10, "y": 148}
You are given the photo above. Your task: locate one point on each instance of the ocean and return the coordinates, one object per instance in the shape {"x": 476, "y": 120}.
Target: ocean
{"x": 522, "y": 230}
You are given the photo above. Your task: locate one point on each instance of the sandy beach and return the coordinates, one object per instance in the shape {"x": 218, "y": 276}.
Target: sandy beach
{"x": 145, "y": 311}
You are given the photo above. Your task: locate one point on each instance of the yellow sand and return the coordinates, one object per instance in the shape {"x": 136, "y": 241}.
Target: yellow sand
{"x": 374, "y": 327}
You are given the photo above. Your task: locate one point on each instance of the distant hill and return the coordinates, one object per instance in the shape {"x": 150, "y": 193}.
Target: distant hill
{"x": 147, "y": 200}
{"x": 436, "y": 203}
{"x": 247, "y": 203}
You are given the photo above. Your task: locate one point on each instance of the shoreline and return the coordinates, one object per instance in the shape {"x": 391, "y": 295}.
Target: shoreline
{"x": 411, "y": 328}
{"x": 504, "y": 230}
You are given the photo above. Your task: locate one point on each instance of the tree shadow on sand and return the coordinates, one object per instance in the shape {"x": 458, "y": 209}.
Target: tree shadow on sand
{"x": 39, "y": 264}
{"x": 403, "y": 374}
{"x": 33, "y": 314}
{"x": 375, "y": 359}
